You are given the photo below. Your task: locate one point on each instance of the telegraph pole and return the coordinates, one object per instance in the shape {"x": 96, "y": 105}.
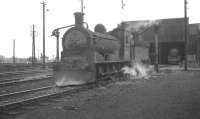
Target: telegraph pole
{"x": 57, "y": 39}
{"x": 38, "y": 54}
{"x": 33, "y": 45}
{"x": 156, "y": 30}
{"x": 14, "y": 51}
{"x": 123, "y": 4}
{"x": 43, "y": 4}
{"x": 186, "y": 33}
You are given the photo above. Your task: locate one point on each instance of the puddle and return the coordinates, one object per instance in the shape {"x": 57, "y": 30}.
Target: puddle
{"x": 125, "y": 83}
{"x": 70, "y": 108}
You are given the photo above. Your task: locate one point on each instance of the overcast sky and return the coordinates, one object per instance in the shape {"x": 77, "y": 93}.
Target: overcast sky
{"x": 17, "y": 16}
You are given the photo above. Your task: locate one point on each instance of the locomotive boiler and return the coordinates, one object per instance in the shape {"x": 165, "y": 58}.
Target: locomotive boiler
{"x": 89, "y": 56}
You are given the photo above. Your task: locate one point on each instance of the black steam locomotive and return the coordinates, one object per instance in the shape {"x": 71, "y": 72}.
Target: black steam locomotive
{"x": 89, "y": 56}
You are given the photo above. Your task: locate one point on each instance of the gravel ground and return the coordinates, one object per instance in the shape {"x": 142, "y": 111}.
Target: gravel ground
{"x": 171, "y": 96}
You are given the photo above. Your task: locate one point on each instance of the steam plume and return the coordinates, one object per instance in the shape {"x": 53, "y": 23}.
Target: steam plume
{"x": 138, "y": 71}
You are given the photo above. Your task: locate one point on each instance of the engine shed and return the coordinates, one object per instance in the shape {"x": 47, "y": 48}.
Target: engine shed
{"x": 170, "y": 38}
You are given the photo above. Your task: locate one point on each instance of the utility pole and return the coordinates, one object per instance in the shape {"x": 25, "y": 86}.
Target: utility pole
{"x": 38, "y": 54}
{"x": 156, "y": 30}
{"x": 186, "y": 33}
{"x": 33, "y": 45}
{"x": 43, "y": 4}
{"x": 14, "y": 51}
{"x": 198, "y": 44}
{"x": 57, "y": 39}
{"x": 123, "y": 4}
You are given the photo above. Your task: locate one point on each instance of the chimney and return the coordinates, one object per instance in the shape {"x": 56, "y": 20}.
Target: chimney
{"x": 78, "y": 18}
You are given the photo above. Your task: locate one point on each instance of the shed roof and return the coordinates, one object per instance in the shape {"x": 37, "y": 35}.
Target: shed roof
{"x": 170, "y": 29}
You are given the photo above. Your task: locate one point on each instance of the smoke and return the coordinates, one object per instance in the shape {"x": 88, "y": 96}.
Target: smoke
{"x": 141, "y": 26}
{"x": 138, "y": 71}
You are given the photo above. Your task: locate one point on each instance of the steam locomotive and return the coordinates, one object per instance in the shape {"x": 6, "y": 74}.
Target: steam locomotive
{"x": 89, "y": 56}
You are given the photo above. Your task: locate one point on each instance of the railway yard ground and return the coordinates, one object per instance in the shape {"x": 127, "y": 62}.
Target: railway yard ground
{"x": 170, "y": 94}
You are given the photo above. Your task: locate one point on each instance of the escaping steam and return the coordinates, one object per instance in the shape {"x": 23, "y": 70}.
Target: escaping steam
{"x": 67, "y": 82}
{"x": 138, "y": 71}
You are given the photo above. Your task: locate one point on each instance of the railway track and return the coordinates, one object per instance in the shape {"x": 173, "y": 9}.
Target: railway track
{"x": 16, "y": 83}
{"x": 23, "y": 80}
{"x": 30, "y": 96}
{"x": 20, "y": 73}
{"x": 20, "y": 85}
{"x": 26, "y": 98}
{"x": 10, "y": 95}
{"x": 16, "y": 95}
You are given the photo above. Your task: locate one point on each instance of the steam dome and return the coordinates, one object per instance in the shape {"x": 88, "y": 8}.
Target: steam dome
{"x": 100, "y": 28}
